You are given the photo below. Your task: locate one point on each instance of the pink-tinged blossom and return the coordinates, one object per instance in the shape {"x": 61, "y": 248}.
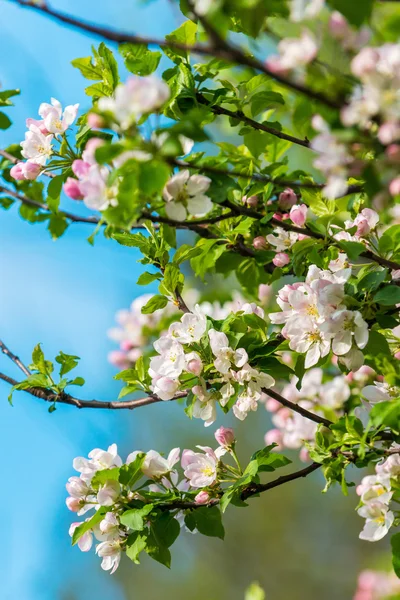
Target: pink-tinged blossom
{"x": 366, "y": 222}
{"x": 293, "y": 53}
{"x": 108, "y": 493}
{"x": 25, "y": 170}
{"x": 225, "y": 356}
{"x": 185, "y": 194}
{"x": 346, "y": 327}
{"x": 111, "y": 554}
{"x": 274, "y": 436}
{"x": 281, "y": 259}
{"x": 264, "y": 292}
{"x": 164, "y": 387}
{"x": 16, "y": 172}
{"x": 251, "y": 201}
{"x": 85, "y": 542}
{"x": 56, "y": 120}
{"x": 287, "y": 199}
{"x": 200, "y": 469}
{"x": 138, "y": 96}
{"x": 97, "y": 461}
{"x": 298, "y": 214}
{"x": 37, "y": 147}
{"x": 95, "y": 121}
{"x": 331, "y": 160}
{"x": 380, "y": 392}
{"x": 204, "y": 406}
{"x": 194, "y": 366}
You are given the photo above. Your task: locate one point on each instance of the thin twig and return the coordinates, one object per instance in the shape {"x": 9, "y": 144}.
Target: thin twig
{"x": 297, "y": 408}
{"x": 5, "y": 350}
{"x": 220, "y": 49}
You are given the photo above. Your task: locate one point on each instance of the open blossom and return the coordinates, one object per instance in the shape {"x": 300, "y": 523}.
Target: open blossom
{"x": 200, "y": 468}
{"x": 346, "y": 326}
{"x": 97, "y": 461}
{"x": 366, "y": 221}
{"x": 377, "y": 585}
{"x": 185, "y": 194}
{"x": 293, "y": 53}
{"x": 109, "y": 493}
{"x": 225, "y": 356}
{"x": 138, "y": 96}
{"x": 110, "y": 552}
{"x": 380, "y": 392}
{"x": 155, "y": 465}
{"x": 204, "y": 406}
{"x": 281, "y": 239}
{"x": 56, "y": 120}
{"x": 37, "y": 147}
{"x": 379, "y": 520}
{"x": 85, "y": 542}
{"x": 171, "y": 361}
{"x": 191, "y": 327}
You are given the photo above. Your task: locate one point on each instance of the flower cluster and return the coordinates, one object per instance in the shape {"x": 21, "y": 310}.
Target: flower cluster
{"x": 136, "y": 97}
{"x": 293, "y": 53}
{"x": 317, "y": 320}
{"x": 180, "y": 352}
{"x": 375, "y": 493}
{"x": 292, "y": 429}
{"x": 377, "y": 585}
{"x": 106, "y": 485}
{"x": 40, "y": 137}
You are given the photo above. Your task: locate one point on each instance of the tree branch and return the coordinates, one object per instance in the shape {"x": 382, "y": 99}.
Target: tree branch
{"x": 251, "y": 490}
{"x": 49, "y": 396}
{"x": 240, "y": 116}
{"x": 296, "y": 408}
{"x": 220, "y": 49}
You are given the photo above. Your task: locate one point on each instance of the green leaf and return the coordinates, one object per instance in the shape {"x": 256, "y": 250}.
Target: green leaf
{"x": 314, "y": 199}
{"x": 165, "y": 529}
{"x": 153, "y": 175}
{"x": 264, "y": 101}
{"x": 186, "y": 252}
{"x": 88, "y": 525}
{"x": 388, "y": 296}
{"x": 185, "y": 34}
{"x": 147, "y": 278}
{"x": 395, "y": 543}
{"x": 386, "y": 414}
{"x": 134, "y": 518}
{"x": 355, "y": 12}
{"x": 5, "y": 122}
{"x": 352, "y": 249}
{"x": 138, "y": 59}
{"x": 155, "y": 303}
{"x": 67, "y": 362}
{"x": 208, "y": 521}
{"x": 269, "y": 461}
{"x": 130, "y": 474}
{"x": 101, "y": 477}
{"x": 136, "y": 543}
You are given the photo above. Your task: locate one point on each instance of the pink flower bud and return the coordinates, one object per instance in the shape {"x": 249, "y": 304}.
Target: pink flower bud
{"x": 365, "y": 62}
{"x": 287, "y": 199}
{"x": 72, "y": 189}
{"x": 73, "y": 504}
{"x": 274, "y": 64}
{"x": 274, "y": 436}
{"x": 202, "y": 497}
{"x": 394, "y": 187}
{"x": 259, "y": 243}
{"x": 251, "y": 201}
{"x": 338, "y": 25}
{"x": 264, "y": 292}
{"x": 225, "y": 436}
{"x": 298, "y": 214}
{"x": 195, "y": 366}
{"x": 281, "y": 259}
{"x": 95, "y": 121}
{"x": 30, "y": 170}
{"x": 397, "y": 354}
{"x": 388, "y": 133}
{"x": 393, "y": 153}
{"x": 80, "y": 168}
{"x": 278, "y": 216}
{"x": 16, "y": 172}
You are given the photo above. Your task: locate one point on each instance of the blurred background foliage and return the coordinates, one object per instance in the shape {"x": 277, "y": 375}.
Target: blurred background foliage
{"x": 295, "y": 542}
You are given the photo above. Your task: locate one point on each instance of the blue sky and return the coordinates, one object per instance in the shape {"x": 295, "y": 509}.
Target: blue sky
{"x": 63, "y": 294}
